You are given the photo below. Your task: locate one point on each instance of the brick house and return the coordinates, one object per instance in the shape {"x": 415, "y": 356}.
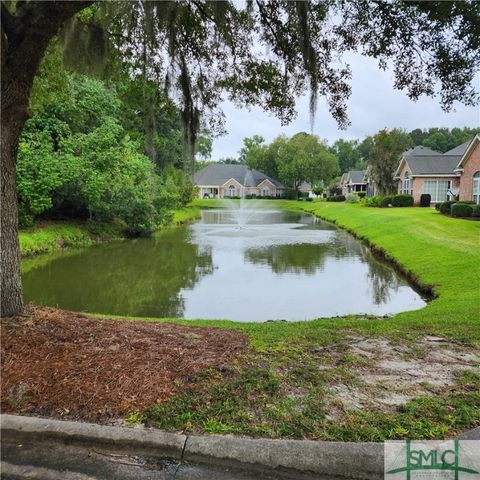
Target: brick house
{"x": 451, "y": 175}
{"x": 224, "y": 180}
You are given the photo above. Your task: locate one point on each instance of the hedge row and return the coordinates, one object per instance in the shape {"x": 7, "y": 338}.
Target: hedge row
{"x": 336, "y": 198}
{"x": 465, "y": 208}
{"x": 390, "y": 200}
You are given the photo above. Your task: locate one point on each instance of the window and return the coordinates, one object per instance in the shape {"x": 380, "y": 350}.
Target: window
{"x": 476, "y": 187}
{"x": 232, "y": 191}
{"x": 407, "y": 184}
{"x": 265, "y": 192}
{"x": 437, "y": 189}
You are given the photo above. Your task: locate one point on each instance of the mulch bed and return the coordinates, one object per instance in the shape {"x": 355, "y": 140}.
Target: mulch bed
{"x": 65, "y": 364}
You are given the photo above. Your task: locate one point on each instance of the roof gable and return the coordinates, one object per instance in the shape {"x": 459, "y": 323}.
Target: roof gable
{"x": 356, "y": 176}
{"x": 468, "y": 151}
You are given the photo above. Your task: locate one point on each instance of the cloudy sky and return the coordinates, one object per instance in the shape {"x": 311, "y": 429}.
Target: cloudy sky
{"x": 373, "y": 105}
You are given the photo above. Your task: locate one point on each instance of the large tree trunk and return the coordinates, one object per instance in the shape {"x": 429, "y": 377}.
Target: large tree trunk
{"x": 24, "y": 39}
{"x": 13, "y": 119}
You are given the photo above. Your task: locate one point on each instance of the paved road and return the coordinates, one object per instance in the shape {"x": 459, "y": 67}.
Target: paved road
{"x": 63, "y": 462}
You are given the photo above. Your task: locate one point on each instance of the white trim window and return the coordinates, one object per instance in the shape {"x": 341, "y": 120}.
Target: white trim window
{"x": 438, "y": 190}
{"x": 232, "y": 191}
{"x": 265, "y": 192}
{"x": 407, "y": 184}
{"x": 476, "y": 187}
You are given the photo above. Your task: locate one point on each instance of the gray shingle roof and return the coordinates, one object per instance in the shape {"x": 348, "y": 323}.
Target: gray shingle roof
{"x": 433, "y": 164}
{"x": 420, "y": 150}
{"x": 357, "y": 176}
{"x": 460, "y": 150}
{"x": 218, "y": 174}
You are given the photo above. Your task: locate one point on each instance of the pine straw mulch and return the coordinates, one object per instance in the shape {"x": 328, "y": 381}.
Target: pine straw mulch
{"x": 68, "y": 365}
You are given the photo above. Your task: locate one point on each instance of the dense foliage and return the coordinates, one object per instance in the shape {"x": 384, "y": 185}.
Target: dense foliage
{"x": 301, "y": 158}
{"x": 85, "y": 154}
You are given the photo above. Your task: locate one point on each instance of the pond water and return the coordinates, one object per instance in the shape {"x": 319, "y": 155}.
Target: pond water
{"x": 245, "y": 264}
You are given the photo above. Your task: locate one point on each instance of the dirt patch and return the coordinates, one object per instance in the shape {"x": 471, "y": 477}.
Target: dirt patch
{"x": 60, "y": 363}
{"x": 389, "y": 375}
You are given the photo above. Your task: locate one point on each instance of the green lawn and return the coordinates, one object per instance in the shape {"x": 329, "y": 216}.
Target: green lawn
{"x": 286, "y": 386}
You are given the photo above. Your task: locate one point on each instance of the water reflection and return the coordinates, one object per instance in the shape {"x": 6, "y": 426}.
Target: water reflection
{"x": 137, "y": 277}
{"x": 278, "y": 266}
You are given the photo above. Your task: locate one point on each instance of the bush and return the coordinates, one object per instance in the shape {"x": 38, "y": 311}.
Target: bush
{"x": 461, "y": 210}
{"x": 351, "y": 198}
{"x": 336, "y": 198}
{"x": 444, "y": 207}
{"x": 476, "y": 211}
{"x": 402, "y": 201}
{"x": 425, "y": 200}
{"x": 361, "y": 194}
{"x": 375, "y": 201}
{"x": 387, "y": 201}
{"x": 290, "y": 194}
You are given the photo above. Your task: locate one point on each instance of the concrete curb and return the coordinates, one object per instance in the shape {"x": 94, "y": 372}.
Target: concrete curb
{"x": 301, "y": 458}
{"x": 23, "y": 429}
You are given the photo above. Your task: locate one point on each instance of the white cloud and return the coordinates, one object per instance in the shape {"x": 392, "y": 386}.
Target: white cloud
{"x": 373, "y": 105}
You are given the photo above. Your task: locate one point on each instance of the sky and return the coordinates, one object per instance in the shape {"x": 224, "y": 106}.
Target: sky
{"x": 374, "y": 104}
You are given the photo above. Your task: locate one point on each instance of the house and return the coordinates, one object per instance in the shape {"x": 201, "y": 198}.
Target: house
{"x": 306, "y": 187}
{"x": 223, "y": 181}
{"x": 450, "y": 175}
{"x": 353, "y": 182}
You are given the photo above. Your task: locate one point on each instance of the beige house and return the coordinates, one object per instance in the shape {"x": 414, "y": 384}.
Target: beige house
{"x": 224, "y": 181}
{"x": 353, "y": 182}
{"x": 452, "y": 175}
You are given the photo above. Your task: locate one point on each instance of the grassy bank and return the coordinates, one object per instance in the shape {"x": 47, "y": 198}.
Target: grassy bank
{"x": 49, "y": 237}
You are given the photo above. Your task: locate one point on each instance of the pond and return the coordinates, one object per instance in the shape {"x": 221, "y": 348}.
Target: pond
{"x": 245, "y": 264}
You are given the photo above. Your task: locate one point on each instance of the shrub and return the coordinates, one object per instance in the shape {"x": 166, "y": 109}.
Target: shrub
{"x": 375, "y": 201}
{"x": 361, "y": 194}
{"x": 336, "y": 198}
{"x": 402, "y": 201}
{"x": 387, "y": 201}
{"x": 425, "y": 200}
{"x": 476, "y": 211}
{"x": 290, "y": 194}
{"x": 461, "y": 210}
{"x": 351, "y": 198}
{"x": 444, "y": 207}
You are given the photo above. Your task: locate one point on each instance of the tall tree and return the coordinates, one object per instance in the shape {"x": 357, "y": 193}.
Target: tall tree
{"x": 347, "y": 153}
{"x": 387, "y": 148}
{"x": 207, "y": 48}
{"x": 252, "y": 151}
{"x": 304, "y": 158}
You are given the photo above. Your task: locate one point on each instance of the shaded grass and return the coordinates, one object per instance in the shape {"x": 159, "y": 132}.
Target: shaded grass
{"x": 49, "y": 237}
{"x": 53, "y": 236}
{"x": 252, "y": 399}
